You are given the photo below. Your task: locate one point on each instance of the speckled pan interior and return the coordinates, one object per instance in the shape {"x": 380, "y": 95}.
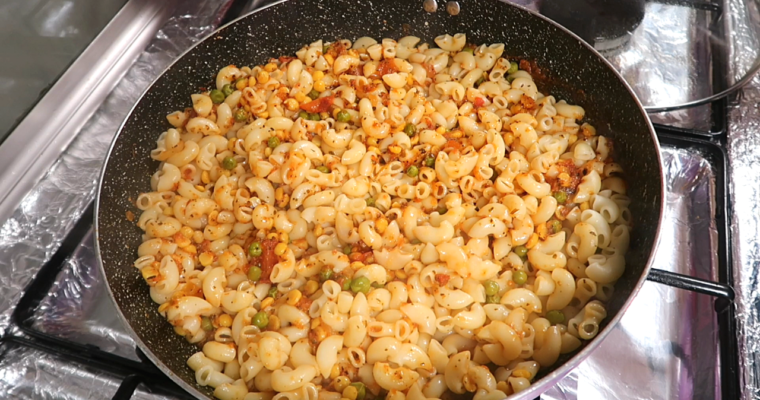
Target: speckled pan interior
{"x": 570, "y": 71}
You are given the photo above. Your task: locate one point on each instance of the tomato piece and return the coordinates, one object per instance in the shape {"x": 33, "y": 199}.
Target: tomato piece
{"x": 267, "y": 260}
{"x": 479, "y": 102}
{"x": 304, "y": 304}
{"x": 319, "y": 105}
{"x": 442, "y": 279}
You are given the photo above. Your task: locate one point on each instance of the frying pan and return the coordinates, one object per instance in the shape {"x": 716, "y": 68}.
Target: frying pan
{"x": 564, "y": 66}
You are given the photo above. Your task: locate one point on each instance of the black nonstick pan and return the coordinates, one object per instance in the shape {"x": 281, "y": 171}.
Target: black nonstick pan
{"x": 562, "y": 65}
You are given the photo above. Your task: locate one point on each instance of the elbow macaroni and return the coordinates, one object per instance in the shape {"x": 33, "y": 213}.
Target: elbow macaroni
{"x": 380, "y": 239}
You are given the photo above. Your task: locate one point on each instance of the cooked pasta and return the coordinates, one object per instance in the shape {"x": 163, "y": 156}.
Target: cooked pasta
{"x": 381, "y": 219}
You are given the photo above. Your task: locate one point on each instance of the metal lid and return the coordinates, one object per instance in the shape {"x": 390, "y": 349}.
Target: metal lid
{"x": 674, "y": 53}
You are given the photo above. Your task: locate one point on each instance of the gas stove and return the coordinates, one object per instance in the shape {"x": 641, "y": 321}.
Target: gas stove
{"x": 681, "y": 337}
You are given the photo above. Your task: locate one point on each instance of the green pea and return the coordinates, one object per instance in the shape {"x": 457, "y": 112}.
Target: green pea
{"x": 347, "y": 249}
{"x": 346, "y": 285}
{"x": 344, "y": 116}
{"x": 227, "y": 90}
{"x": 493, "y": 299}
{"x": 313, "y": 94}
{"x": 410, "y": 129}
{"x": 315, "y": 117}
{"x": 217, "y": 96}
{"x": 513, "y": 67}
{"x": 323, "y": 169}
{"x": 560, "y": 196}
{"x": 206, "y": 324}
{"x": 255, "y": 249}
{"x": 273, "y": 142}
{"x": 241, "y": 115}
{"x": 480, "y": 80}
{"x": 360, "y": 284}
{"x": 492, "y": 287}
{"x": 229, "y": 163}
{"x": 430, "y": 161}
{"x": 303, "y": 115}
{"x": 521, "y": 251}
{"x": 555, "y": 226}
{"x": 272, "y": 292}
{"x": 519, "y": 277}
{"x": 360, "y": 389}
{"x": 413, "y": 171}
{"x": 468, "y": 49}
{"x": 325, "y": 274}
{"x": 326, "y": 48}
{"x": 254, "y": 273}
{"x": 442, "y": 210}
{"x": 261, "y": 319}
{"x": 370, "y": 202}
{"x": 555, "y": 317}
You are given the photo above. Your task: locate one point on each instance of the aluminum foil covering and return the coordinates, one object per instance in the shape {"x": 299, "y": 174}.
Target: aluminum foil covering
{"x": 48, "y": 212}
{"x": 744, "y": 49}
{"x": 744, "y": 169}
{"x": 666, "y": 345}
{"x": 26, "y": 373}
{"x": 744, "y": 157}
{"x": 74, "y": 308}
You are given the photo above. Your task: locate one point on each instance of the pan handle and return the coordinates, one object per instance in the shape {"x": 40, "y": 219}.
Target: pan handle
{"x": 127, "y": 388}
{"x": 691, "y": 283}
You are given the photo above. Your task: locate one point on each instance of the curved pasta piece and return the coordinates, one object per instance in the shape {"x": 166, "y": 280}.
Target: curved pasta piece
{"x": 385, "y": 213}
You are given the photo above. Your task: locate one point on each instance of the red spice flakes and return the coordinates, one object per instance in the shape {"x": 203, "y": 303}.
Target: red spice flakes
{"x": 205, "y": 246}
{"x": 587, "y": 131}
{"x": 453, "y": 145}
{"x": 526, "y": 105}
{"x": 304, "y": 304}
{"x": 337, "y": 49}
{"x": 442, "y": 279}
{"x": 286, "y": 59}
{"x": 429, "y": 122}
{"x": 282, "y": 95}
{"x": 526, "y": 66}
{"x": 387, "y": 66}
{"x": 430, "y": 70}
{"x": 355, "y": 70}
{"x": 568, "y": 179}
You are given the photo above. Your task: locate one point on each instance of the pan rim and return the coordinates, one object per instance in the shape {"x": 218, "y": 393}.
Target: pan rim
{"x": 536, "y": 387}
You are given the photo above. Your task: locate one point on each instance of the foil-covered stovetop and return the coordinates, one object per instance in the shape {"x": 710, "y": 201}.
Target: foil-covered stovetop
{"x": 666, "y": 346}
